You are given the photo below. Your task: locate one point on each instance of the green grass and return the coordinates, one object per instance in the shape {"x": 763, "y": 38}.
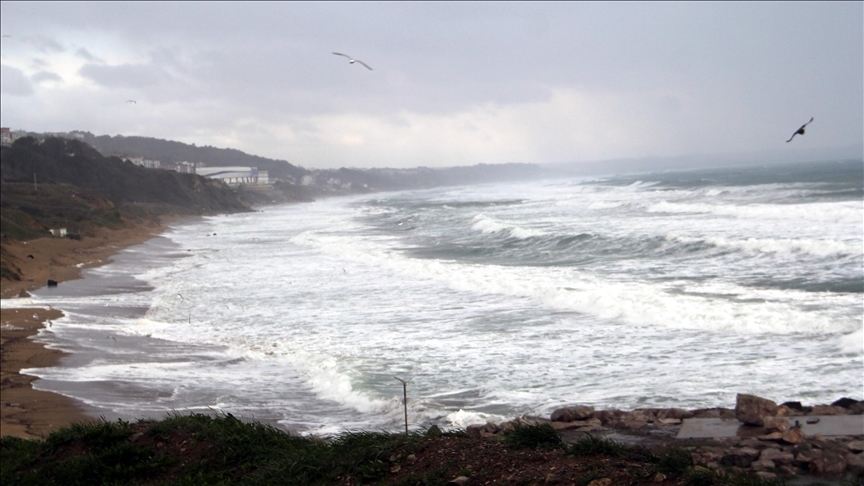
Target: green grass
{"x": 228, "y": 452}
{"x": 533, "y": 436}
{"x": 593, "y": 446}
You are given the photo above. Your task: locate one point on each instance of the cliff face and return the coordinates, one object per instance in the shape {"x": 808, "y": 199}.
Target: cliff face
{"x": 63, "y": 161}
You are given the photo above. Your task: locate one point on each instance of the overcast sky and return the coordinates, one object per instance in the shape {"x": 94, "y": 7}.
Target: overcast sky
{"x": 452, "y": 83}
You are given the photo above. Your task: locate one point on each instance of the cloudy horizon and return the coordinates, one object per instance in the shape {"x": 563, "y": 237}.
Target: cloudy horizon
{"x": 451, "y": 84}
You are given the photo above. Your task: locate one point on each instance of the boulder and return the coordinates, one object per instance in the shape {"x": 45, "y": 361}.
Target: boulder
{"x": 673, "y": 413}
{"x": 855, "y": 460}
{"x": 569, "y": 414}
{"x": 474, "y": 430}
{"x": 777, "y": 456}
{"x": 794, "y": 436}
{"x": 750, "y": 409}
{"x": 775, "y": 424}
{"x": 750, "y": 452}
{"x": 828, "y": 410}
{"x": 793, "y": 405}
{"x": 737, "y": 460}
{"x": 762, "y": 464}
{"x": 855, "y": 446}
{"x": 828, "y": 464}
{"x": 844, "y": 402}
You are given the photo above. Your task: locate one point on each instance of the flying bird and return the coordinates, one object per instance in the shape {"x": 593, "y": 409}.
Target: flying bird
{"x": 131, "y": 101}
{"x": 800, "y": 131}
{"x": 351, "y": 60}
{"x": 6, "y": 36}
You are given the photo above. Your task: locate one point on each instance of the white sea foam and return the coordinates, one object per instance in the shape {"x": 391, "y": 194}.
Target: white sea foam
{"x": 852, "y": 343}
{"x": 819, "y": 248}
{"x": 490, "y": 225}
{"x": 305, "y": 313}
{"x": 809, "y": 212}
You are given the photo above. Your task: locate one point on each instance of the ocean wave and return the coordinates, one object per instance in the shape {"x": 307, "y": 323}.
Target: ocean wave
{"x": 819, "y": 248}
{"x": 827, "y": 212}
{"x": 489, "y": 225}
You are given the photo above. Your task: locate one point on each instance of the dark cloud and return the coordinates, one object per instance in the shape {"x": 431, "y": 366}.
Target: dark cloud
{"x": 727, "y": 70}
{"x": 14, "y": 82}
{"x": 85, "y": 54}
{"x": 45, "y": 45}
{"x": 45, "y": 76}
{"x": 123, "y": 76}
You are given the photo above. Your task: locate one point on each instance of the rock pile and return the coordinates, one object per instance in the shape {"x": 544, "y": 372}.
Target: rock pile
{"x": 773, "y": 445}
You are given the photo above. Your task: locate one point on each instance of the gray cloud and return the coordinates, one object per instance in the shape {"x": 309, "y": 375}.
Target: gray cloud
{"x": 45, "y": 45}
{"x": 122, "y": 76}
{"x": 14, "y": 82}
{"x": 709, "y": 76}
{"x": 45, "y": 76}
{"x": 85, "y": 54}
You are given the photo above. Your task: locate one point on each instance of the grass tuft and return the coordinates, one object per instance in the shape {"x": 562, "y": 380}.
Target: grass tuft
{"x": 533, "y": 436}
{"x": 593, "y": 446}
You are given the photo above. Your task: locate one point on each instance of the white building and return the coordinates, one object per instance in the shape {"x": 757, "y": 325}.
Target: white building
{"x": 141, "y": 161}
{"x": 233, "y": 176}
{"x": 7, "y": 136}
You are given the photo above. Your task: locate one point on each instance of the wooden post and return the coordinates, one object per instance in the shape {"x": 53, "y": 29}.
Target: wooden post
{"x": 404, "y": 400}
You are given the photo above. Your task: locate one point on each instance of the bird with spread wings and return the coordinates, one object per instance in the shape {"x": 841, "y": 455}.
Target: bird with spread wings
{"x": 800, "y": 131}
{"x": 351, "y": 60}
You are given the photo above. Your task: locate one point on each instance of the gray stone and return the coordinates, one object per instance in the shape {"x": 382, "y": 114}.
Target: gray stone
{"x": 673, "y": 413}
{"x": 794, "y": 436}
{"x": 844, "y": 402}
{"x": 856, "y": 445}
{"x": 766, "y": 475}
{"x": 474, "y": 430}
{"x": 762, "y": 464}
{"x": 829, "y": 463}
{"x": 778, "y": 424}
{"x": 779, "y": 457}
{"x": 569, "y": 414}
{"x": 828, "y": 410}
{"x": 750, "y": 409}
{"x": 855, "y": 460}
{"x": 737, "y": 460}
{"x": 750, "y": 452}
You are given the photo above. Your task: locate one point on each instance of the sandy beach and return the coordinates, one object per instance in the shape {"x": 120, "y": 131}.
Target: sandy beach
{"x": 26, "y": 412}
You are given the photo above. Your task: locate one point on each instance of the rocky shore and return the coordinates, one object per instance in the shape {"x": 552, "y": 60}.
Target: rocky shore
{"x": 758, "y": 437}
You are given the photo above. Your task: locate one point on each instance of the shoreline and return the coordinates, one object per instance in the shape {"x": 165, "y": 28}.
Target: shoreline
{"x": 24, "y": 411}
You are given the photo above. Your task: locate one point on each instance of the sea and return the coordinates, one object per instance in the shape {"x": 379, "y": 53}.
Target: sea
{"x": 481, "y": 303}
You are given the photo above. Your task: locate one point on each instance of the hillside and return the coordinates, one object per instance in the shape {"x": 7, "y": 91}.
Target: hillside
{"x": 171, "y": 152}
{"x": 296, "y": 183}
{"x": 63, "y": 161}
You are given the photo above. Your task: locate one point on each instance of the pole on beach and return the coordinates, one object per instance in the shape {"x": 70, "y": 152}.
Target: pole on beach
{"x": 404, "y": 400}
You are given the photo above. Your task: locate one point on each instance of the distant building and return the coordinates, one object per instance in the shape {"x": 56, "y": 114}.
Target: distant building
{"x": 233, "y": 176}
{"x": 7, "y": 136}
{"x": 187, "y": 167}
{"x": 60, "y": 232}
{"x": 141, "y": 161}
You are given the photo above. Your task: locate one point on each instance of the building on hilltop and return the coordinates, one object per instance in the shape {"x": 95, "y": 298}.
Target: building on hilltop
{"x": 234, "y": 176}
{"x": 7, "y": 136}
{"x": 141, "y": 161}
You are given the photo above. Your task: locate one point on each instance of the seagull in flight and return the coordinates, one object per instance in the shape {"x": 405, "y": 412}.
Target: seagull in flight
{"x": 800, "y": 131}
{"x": 131, "y": 101}
{"x": 351, "y": 60}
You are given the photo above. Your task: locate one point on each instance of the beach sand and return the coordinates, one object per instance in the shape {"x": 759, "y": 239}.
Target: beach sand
{"x": 26, "y": 412}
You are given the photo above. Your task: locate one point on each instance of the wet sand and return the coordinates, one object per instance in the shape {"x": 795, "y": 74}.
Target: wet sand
{"x": 26, "y": 412}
